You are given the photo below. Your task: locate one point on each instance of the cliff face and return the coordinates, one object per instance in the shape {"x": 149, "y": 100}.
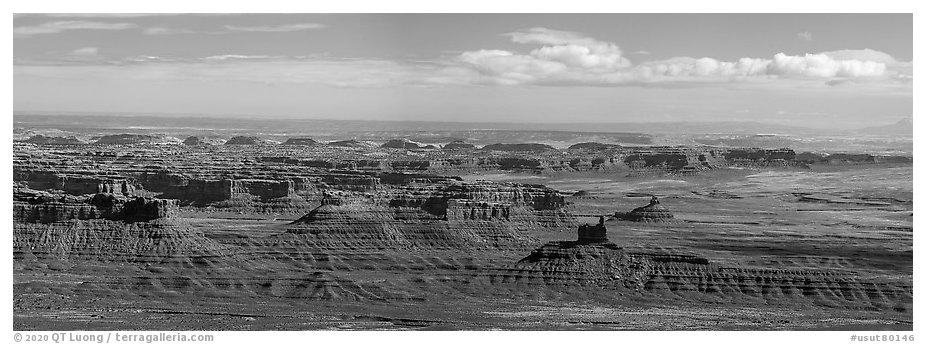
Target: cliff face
{"x": 30, "y": 206}
{"x": 458, "y": 145}
{"x": 848, "y": 159}
{"x": 448, "y": 214}
{"x": 205, "y": 192}
{"x": 75, "y": 184}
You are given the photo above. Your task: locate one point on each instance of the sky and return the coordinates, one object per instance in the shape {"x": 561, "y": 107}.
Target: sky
{"x": 842, "y": 71}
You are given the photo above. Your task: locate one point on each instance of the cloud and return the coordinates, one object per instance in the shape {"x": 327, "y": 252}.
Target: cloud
{"x": 280, "y": 28}
{"x": 570, "y": 58}
{"x": 118, "y": 15}
{"x": 253, "y": 69}
{"x": 233, "y": 28}
{"x": 61, "y": 26}
{"x": 540, "y": 35}
{"x": 166, "y": 31}
{"x": 823, "y": 66}
{"x": 862, "y": 55}
{"x": 562, "y": 58}
{"x": 807, "y": 36}
{"x": 641, "y": 52}
{"x": 85, "y": 52}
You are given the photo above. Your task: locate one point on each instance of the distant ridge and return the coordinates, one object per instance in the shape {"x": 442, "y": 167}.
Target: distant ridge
{"x": 903, "y": 127}
{"x": 154, "y": 121}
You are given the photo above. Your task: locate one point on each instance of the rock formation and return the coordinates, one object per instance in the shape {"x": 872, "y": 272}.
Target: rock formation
{"x": 599, "y": 264}
{"x": 594, "y": 146}
{"x": 350, "y": 144}
{"x": 458, "y": 145}
{"x": 133, "y": 139}
{"x": 245, "y": 140}
{"x": 653, "y": 212}
{"x": 30, "y": 206}
{"x": 302, "y": 141}
{"x": 593, "y": 233}
{"x": 54, "y": 140}
{"x": 203, "y": 141}
{"x": 518, "y": 147}
{"x": 401, "y": 144}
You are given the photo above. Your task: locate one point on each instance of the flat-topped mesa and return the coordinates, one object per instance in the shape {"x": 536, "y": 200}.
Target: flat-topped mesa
{"x": 501, "y": 213}
{"x": 594, "y": 146}
{"x": 246, "y": 140}
{"x": 572, "y": 264}
{"x": 759, "y": 157}
{"x": 519, "y": 147}
{"x": 74, "y": 184}
{"x": 653, "y": 212}
{"x": 30, "y": 206}
{"x": 808, "y": 158}
{"x": 401, "y": 144}
{"x": 350, "y": 144}
{"x": 130, "y": 139}
{"x": 202, "y": 141}
{"x": 458, "y": 145}
{"x": 301, "y": 141}
{"x": 54, "y": 140}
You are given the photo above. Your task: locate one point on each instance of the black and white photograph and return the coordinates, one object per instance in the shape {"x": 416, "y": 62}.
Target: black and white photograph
{"x": 197, "y": 173}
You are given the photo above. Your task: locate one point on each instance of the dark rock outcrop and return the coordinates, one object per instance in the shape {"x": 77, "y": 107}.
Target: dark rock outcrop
{"x": 350, "y": 144}
{"x": 458, "y": 145}
{"x": 809, "y": 158}
{"x": 302, "y": 141}
{"x": 54, "y": 140}
{"x": 755, "y": 155}
{"x": 594, "y": 146}
{"x": 129, "y": 139}
{"x": 513, "y": 163}
{"x": 593, "y": 233}
{"x": 518, "y": 147}
{"x": 202, "y": 141}
{"x": 245, "y": 140}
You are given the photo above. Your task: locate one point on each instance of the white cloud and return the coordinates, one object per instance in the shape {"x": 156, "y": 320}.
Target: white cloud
{"x": 255, "y": 69}
{"x": 570, "y": 58}
{"x": 86, "y": 52}
{"x": 807, "y": 36}
{"x": 564, "y": 58}
{"x": 61, "y": 26}
{"x": 862, "y": 55}
{"x": 280, "y": 28}
{"x": 539, "y": 35}
{"x": 119, "y": 15}
{"x": 823, "y": 66}
{"x": 166, "y": 31}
